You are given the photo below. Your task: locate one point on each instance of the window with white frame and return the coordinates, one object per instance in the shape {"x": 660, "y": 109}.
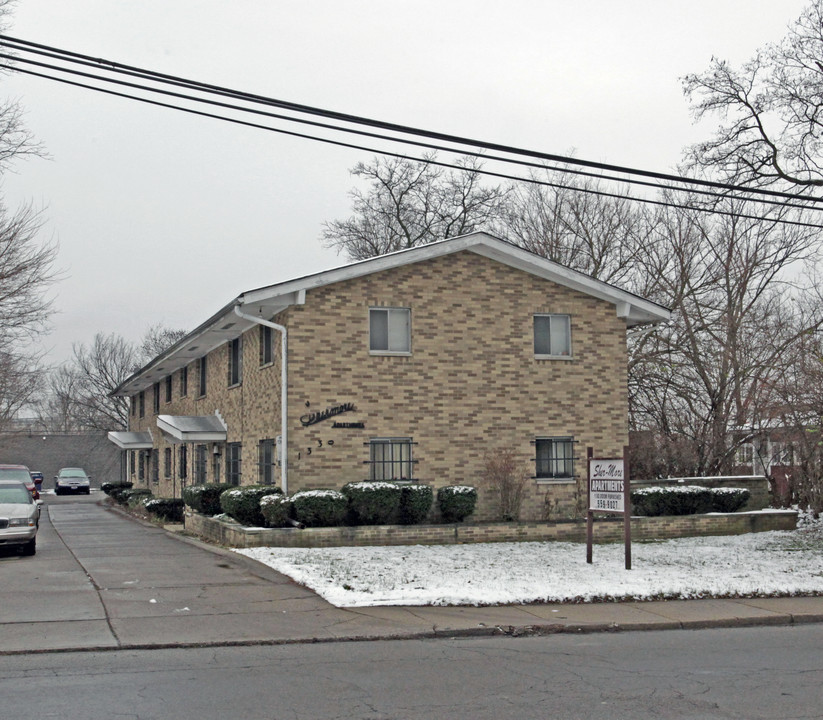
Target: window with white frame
{"x": 555, "y": 458}
{"x": 235, "y": 361}
{"x": 391, "y": 459}
{"x": 552, "y": 336}
{"x": 781, "y": 453}
{"x": 745, "y": 454}
{"x": 390, "y": 330}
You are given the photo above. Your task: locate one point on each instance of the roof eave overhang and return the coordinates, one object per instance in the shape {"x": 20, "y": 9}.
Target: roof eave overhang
{"x": 131, "y": 440}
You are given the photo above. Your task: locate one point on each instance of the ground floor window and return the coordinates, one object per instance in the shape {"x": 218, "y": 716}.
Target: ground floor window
{"x": 555, "y": 457}
{"x": 216, "y": 467}
{"x": 233, "y": 462}
{"x": 133, "y": 461}
{"x": 141, "y": 465}
{"x": 182, "y": 463}
{"x": 391, "y": 459}
{"x": 200, "y": 463}
{"x": 265, "y": 462}
{"x": 155, "y": 465}
{"x": 167, "y": 462}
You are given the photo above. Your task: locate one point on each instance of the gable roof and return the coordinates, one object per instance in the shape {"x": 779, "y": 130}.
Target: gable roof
{"x": 266, "y": 302}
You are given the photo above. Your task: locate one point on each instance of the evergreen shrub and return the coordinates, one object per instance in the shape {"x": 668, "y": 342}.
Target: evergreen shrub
{"x": 415, "y": 503}
{"x": 205, "y": 499}
{"x": 686, "y": 500}
{"x": 372, "y": 502}
{"x": 109, "y": 487}
{"x": 275, "y": 509}
{"x": 319, "y": 508}
{"x": 133, "y": 497}
{"x": 243, "y": 503}
{"x": 456, "y": 502}
{"x": 170, "y": 509}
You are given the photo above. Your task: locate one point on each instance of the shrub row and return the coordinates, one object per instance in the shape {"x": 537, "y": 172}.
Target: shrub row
{"x": 361, "y": 503}
{"x": 687, "y": 500}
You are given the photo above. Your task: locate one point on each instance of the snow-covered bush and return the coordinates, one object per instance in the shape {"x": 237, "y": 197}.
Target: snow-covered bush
{"x": 134, "y": 497}
{"x": 113, "y": 487}
{"x": 320, "y": 508}
{"x": 165, "y": 508}
{"x": 243, "y": 503}
{"x": 373, "y": 503}
{"x": 205, "y": 499}
{"x": 686, "y": 500}
{"x": 275, "y": 509}
{"x": 456, "y": 502}
{"x": 415, "y": 503}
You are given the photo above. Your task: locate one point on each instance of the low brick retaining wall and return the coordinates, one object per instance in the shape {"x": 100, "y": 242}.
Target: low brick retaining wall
{"x": 606, "y": 530}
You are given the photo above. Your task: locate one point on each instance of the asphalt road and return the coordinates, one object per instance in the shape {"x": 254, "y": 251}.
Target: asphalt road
{"x": 747, "y": 673}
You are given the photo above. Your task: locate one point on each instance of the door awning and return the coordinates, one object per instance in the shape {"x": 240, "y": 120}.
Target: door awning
{"x": 192, "y": 428}
{"x": 131, "y": 440}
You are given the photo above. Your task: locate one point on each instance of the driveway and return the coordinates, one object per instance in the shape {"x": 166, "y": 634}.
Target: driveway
{"x": 101, "y": 580}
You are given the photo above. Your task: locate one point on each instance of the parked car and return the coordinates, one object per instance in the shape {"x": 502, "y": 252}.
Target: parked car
{"x": 72, "y": 480}
{"x": 38, "y": 479}
{"x": 19, "y": 516}
{"x": 20, "y": 473}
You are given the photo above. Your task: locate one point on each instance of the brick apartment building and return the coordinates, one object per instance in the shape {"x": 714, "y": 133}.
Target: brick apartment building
{"x": 408, "y": 366}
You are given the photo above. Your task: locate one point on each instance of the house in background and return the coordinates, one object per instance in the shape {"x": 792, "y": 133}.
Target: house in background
{"x": 409, "y": 366}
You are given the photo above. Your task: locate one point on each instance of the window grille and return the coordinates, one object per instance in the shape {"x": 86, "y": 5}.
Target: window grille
{"x": 391, "y": 459}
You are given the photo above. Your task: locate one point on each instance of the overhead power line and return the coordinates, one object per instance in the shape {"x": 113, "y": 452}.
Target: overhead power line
{"x": 762, "y": 196}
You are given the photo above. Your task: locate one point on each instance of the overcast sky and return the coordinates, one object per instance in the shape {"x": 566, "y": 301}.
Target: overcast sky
{"x": 165, "y": 217}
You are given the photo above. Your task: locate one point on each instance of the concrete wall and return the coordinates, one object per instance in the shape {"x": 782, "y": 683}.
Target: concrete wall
{"x": 48, "y": 452}
{"x": 608, "y": 530}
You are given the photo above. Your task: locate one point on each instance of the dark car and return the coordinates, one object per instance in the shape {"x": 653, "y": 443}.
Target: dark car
{"x": 38, "y": 479}
{"x": 20, "y": 473}
{"x": 72, "y": 480}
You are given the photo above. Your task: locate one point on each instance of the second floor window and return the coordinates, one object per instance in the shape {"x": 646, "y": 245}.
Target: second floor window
{"x": 168, "y": 388}
{"x": 184, "y": 381}
{"x": 201, "y": 376}
{"x": 142, "y": 402}
{"x": 266, "y": 345}
{"x": 235, "y": 361}
{"x": 156, "y": 402}
{"x": 552, "y": 336}
{"x": 390, "y": 330}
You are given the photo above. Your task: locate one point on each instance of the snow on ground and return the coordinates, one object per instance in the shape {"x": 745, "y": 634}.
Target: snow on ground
{"x": 759, "y": 564}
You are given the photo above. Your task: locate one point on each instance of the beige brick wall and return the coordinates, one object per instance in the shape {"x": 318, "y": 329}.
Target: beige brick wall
{"x": 471, "y": 383}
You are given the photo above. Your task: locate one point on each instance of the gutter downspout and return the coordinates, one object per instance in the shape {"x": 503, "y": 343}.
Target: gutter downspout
{"x": 284, "y": 394}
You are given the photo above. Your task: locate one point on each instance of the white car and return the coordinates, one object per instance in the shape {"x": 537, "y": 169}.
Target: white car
{"x": 72, "y": 480}
{"x": 19, "y": 516}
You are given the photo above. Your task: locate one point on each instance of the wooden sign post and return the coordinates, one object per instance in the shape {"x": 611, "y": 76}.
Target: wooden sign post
{"x": 607, "y": 491}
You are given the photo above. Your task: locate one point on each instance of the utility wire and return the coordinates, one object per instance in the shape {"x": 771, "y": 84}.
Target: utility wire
{"x": 137, "y": 72}
{"x": 113, "y": 66}
{"x": 363, "y": 133}
{"x": 430, "y": 161}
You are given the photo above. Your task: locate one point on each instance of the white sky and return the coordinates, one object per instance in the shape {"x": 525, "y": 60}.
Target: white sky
{"x": 164, "y": 217}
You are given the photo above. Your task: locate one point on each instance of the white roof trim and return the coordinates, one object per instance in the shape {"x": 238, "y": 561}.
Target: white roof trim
{"x": 267, "y": 301}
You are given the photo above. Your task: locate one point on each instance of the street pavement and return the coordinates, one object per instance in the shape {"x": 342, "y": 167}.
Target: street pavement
{"x": 103, "y": 580}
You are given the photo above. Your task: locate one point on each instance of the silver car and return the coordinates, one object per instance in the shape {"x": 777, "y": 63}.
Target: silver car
{"x": 19, "y": 516}
{"x": 72, "y": 480}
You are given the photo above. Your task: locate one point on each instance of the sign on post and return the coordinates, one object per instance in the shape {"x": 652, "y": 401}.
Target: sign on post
{"x": 607, "y": 491}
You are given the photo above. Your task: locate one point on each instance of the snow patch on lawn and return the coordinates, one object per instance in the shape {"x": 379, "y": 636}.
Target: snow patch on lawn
{"x": 758, "y": 564}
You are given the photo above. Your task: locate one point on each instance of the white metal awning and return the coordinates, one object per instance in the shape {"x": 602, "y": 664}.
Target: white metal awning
{"x": 131, "y": 440}
{"x": 192, "y": 428}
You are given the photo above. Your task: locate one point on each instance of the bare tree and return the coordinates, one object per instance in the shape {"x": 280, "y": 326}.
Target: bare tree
{"x": 771, "y": 110}
{"x": 80, "y": 389}
{"x": 709, "y": 373}
{"x": 411, "y": 203}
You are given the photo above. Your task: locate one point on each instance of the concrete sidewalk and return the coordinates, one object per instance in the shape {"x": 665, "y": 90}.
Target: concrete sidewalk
{"x": 102, "y": 580}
